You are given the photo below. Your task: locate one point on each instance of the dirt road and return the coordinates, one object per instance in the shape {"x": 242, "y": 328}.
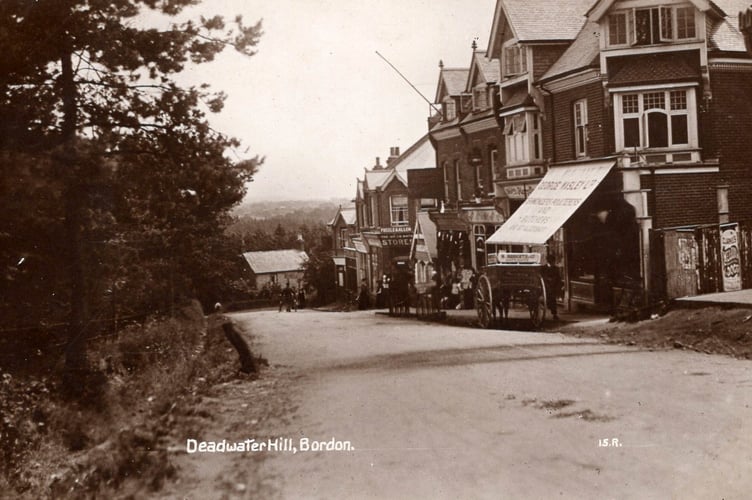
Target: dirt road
{"x": 444, "y": 412}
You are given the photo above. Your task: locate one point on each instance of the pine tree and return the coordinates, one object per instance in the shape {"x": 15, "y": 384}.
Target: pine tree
{"x": 89, "y": 100}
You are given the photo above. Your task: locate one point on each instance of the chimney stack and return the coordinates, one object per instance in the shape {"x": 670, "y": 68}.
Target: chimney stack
{"x": 394, "y": 153}
{"x": 378, "y": 164}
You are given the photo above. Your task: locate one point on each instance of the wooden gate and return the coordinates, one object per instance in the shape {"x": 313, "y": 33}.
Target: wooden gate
{"x": 693, "y": 260}
{"x": 680, "y": 253}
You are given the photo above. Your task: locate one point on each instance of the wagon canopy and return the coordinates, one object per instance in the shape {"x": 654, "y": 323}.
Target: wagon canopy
{"x": 556, "y": 198}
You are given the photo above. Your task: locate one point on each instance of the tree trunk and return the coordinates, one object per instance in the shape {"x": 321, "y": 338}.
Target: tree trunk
{"x": 75, "y": 352}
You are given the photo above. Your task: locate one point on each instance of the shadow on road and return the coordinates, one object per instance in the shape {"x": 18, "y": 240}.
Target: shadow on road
{"x": 474, "y": 355}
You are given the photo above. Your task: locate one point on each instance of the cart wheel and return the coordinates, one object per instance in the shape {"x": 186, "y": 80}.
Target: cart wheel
{"x": 537, "y": 305}
{"x": 484, "y": 302}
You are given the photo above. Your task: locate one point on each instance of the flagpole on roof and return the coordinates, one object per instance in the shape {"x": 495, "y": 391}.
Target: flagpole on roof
{"x": 409, "y": 83}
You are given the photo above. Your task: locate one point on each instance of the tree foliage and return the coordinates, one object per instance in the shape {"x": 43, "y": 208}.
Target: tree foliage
{"x": 115, "y": 189}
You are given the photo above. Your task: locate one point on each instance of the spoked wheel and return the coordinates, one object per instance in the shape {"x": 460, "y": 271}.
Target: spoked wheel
{"x": 484, "y": 302}
{"x": 537, "y": 305}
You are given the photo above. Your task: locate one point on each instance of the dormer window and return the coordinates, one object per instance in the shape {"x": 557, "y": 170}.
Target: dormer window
{"x": 651, "y": 26}
{"x": 515, "y": 60}
{"x": 450, "y": 109}
{"x": 480, "y": 98}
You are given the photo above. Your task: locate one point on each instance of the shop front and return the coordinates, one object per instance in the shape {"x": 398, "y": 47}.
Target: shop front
{"x": 385, "y": 245}
{"x": 578, "y": 216}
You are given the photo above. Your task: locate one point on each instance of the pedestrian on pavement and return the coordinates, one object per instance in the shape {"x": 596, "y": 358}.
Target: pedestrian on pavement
{"x": 379, "y": 294}
{"x": 552, "y": 282}
{"x": 363, "y": 299}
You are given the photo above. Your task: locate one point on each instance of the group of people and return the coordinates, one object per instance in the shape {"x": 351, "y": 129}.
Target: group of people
{"x": 456, "y": 289}
{"x": 290, "y": 298}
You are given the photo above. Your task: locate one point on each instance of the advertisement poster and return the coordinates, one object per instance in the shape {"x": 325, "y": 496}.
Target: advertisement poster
{"x": 730, "y": 260}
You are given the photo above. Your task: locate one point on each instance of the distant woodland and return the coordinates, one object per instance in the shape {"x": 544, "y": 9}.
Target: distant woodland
{"x": 289, "y": 224}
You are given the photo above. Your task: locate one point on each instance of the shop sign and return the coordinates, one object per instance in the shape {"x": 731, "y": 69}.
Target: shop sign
{"x": 730, "y": 258}
{"x": 518, "y": 258}
{"x": 396, "y": 240}
{"x": 360, "y": 246}
{"x": 558, "y": 195}
{"x": 397, "y": 230}
{"x": 519, "y": 191}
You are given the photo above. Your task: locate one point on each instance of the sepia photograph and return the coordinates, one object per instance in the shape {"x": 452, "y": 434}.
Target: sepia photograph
{"x": 347, "y": 249}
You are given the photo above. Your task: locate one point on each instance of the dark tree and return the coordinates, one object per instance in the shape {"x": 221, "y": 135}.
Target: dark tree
{"x": 121, "y": 154}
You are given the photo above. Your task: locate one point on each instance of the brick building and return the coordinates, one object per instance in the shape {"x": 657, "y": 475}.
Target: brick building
{"x": 659, "y": 95}
{"x": 385, "y": 214}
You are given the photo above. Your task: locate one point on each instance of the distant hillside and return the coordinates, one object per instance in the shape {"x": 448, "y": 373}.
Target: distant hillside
{"x": 276, "y": 224}
{"x": 311, "y": 210}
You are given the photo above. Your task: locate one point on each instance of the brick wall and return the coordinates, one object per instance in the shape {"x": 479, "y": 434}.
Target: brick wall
{"x": 544, "y": 56}
{"x": 485, "y": 141}
{"x": 561, "y": 124}
{"x": 682, "y": 199}
{"x": 728, "y": 129}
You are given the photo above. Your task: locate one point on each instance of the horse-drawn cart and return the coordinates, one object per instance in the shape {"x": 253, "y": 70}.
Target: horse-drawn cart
{"x": 514, "y": 279}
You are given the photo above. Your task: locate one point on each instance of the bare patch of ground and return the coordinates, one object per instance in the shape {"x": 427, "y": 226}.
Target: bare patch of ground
{"x": 711, "y": 330}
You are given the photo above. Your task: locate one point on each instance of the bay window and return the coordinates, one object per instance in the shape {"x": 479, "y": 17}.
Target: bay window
{"x": 663, "y": 118}
{"x": 652, "y": 25}
{"x": 522, "y": 137}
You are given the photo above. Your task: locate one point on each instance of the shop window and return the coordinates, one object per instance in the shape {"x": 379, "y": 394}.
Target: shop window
{"x": 580, "y": 127}
{"x": 398, "y": 204}
{"x": 657, "y": 119}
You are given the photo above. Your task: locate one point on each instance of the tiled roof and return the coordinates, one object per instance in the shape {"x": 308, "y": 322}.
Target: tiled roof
{"x": 725, "y": 36}
{"x": 349, "y": 215}
{"x": 276, "y": 261}
{"x": 582, "y": 53}
{"x": 490, "y": 68}
{"x": 546, "y": 19}
{"x": 519, "y": 98}
{"x": 375, "y": 178}
{"x": 654, "y": 68}
{"x": 419, "y": 155}
{"x": 454, "y": 80}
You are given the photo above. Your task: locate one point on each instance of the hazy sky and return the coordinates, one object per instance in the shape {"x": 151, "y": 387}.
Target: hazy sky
{"x": 318, "y": 102}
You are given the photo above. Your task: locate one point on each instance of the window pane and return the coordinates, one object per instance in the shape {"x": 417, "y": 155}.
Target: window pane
{"x": 685, "y": 22}
{"x": 643, "y": 27}
{"x": 630, "y": 103}
{"x": 679, "y": 133}
{"x": 657, "y": 130}
{"x": 655, "y": 100}
{"x": 631, "y": 133}
{"x": 678, "y": 99}
{"x": 667, "y": 32}
{"x": 580, "y": 139}
{"x": 617, "y": 29}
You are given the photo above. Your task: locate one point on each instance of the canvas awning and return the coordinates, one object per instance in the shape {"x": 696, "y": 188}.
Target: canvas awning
{"x": 556, "y": 198}
{"x": 424, "y": 239}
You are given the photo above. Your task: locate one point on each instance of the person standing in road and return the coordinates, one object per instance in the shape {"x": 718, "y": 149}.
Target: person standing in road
{"x": 287, "y": 297}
